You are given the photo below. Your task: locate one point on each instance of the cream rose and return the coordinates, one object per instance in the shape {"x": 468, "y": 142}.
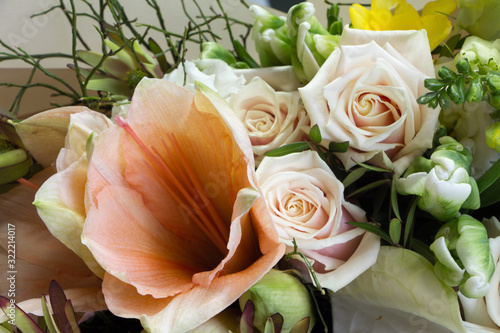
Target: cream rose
{"x": 271, "y": 118}
{"x": 307, "y": 204}
{"x": 366, "y": 92}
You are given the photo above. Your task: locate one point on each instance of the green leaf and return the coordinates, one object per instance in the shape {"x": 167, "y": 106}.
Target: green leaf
{"x": 427, "y": 98}
{"x": 22, "y": 320}
{"x": 444, "y": 99}
{"x": 159, "y": 54}
{"x": 395, "y": 230}
{"x": 295, "y": 147}
{"x": 403, "y": 280}
{"x": 247, "y": 316}
{"x": 373, "y": 229}
{"x": 302, "y": 326}
{"x": 373, "y": 168}
{"x": 244, "y": 55}
{"x": 368, "y": 187}
{"x": 434, "y": 84}
{"x": 353, "y": 176}
{"x": 394, "y": 197}
{"x": 315, "y": 134}
{"x": 338, "y": 147}
{"x": 409, "y": 220}
{"x": 491, "y": 195}
{"x": 70, "y": 315}
{"x": 49, "y": 319}
{"x": 423, "y": 249}
{"x": 274, "y": 323}
{"x": 489, "y": 177}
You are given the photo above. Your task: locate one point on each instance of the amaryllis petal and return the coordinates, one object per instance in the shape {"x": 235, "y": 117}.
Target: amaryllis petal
{"x": 43, "y": 258}
{"x": 43, "y": 134}
{"x": 169, "y": 216}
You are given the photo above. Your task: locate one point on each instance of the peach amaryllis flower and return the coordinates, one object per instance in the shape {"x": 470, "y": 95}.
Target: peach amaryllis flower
{"x": 171, "y": 190}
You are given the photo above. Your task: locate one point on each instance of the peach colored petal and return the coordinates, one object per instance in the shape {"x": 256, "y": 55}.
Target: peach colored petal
{"x": 187, "y": 310}
{"x": 106, "y": 165}
{"x": 153, "y": 258}
{"x": 43, "y": 134}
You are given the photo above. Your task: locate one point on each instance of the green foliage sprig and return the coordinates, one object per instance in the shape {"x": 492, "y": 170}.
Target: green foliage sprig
{"x": 464, "y": 86}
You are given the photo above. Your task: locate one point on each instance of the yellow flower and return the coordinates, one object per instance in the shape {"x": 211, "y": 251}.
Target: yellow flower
{"x": 399, "y": 15}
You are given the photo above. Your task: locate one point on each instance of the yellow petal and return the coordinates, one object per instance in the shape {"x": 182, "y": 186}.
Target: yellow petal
{"x": 439, "y": 6}
{"x": 360, "y": 17}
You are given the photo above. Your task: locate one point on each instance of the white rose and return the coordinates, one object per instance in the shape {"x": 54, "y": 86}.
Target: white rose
{"x": 366, "y": 93}
{"x": 271, "y": 118}
{"x": 307, "y": 204}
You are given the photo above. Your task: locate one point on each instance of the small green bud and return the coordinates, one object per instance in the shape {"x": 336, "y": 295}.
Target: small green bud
{"x": 456, "y": 90}
{"x": 134, "y": 77}
{"x": 213, "y": 50}
{"x": 493, "y": 136}
{"x": 463, "y": 66}
{"x": 447, "y": 74}
{"x": 279, "y": 292}
{"x": 475, "y": 92}
{"x": 494, "y": 100}
{"x": 493, "y": 81}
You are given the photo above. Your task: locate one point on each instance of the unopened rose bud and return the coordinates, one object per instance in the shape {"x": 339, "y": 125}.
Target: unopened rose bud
{"x": 279, "y": 292}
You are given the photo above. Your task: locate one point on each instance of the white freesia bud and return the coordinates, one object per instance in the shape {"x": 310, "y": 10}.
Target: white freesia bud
{"x": 443, "y": 182}
{"x": 463, "y": 242}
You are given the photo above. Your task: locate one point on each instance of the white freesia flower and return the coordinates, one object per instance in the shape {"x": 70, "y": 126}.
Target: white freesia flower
{"x": 486, "y": 311}
{"x": 271, "y": 118}
{"x": 214, "y": 73}
{"x": 366, "y": 92}
{"x": 307, "y": 204}
{"x": 469, "y": 122}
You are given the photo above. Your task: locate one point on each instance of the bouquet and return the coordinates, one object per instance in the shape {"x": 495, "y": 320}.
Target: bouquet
{"x": 335, "y": 178}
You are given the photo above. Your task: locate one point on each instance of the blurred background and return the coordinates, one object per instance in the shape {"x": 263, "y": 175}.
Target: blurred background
{"x": 51, "y": 33}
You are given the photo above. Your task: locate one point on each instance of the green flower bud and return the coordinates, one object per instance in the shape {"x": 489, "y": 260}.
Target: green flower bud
{"x": 279, "y": 292}
{"x": 14, "y": 163}
{"x": 447, "y": 74}
{"x": 463, "y": 256}
{"x": 493, "y": 81}
{"x": 443, "y": 182}
{"x": 475, "y": 92}
{"x": 463, "y": 66}
{"x": 213, "y": 50}
{"x": 270, "y": 35}
{"x": 311, "y": 42}
{"x": 493, "y": 136}
{"x": 482, "y": 55}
